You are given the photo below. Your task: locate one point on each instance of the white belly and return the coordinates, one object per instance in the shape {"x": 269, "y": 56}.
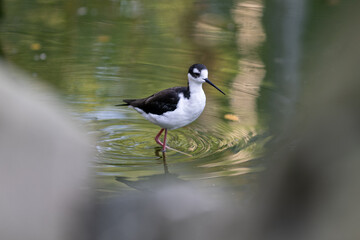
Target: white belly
{"x": 187, "y": 111}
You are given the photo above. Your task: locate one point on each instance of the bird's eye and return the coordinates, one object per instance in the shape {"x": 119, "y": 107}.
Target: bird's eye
{"x": 196, "y": 74}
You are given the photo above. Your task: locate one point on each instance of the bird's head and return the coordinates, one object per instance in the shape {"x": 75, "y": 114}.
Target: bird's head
{"x": 198, "y": 73}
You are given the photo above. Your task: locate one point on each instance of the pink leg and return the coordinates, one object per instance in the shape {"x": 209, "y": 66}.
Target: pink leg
{"x": 164, "y": 144}
{"x": 157, "y": 137}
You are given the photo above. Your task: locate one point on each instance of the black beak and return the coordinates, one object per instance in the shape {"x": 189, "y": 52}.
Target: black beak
{"x": 208, "y": 81}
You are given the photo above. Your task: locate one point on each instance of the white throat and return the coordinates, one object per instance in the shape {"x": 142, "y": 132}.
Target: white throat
{"x": 195, "y": 86}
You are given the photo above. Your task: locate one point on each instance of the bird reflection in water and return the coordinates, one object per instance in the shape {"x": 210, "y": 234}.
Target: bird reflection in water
{"x": 163, "y": 155}
{"x": 156, "y": 181}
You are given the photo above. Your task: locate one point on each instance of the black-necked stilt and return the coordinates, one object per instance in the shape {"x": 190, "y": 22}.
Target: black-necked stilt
{"x": 175, "y": 107}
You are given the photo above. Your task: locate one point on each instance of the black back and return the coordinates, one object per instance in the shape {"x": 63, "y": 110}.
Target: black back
{"x": 161, "y": 102}
{"x": 166, "y": 100}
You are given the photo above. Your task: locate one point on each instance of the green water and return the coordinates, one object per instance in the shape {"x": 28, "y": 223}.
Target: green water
{"x": 96, "y": 53}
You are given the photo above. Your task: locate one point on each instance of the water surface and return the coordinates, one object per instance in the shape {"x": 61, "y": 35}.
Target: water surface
{"x": 101, "y": 52}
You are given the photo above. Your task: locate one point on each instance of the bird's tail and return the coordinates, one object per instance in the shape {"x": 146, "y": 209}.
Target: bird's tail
{"x": 127, "y": 102}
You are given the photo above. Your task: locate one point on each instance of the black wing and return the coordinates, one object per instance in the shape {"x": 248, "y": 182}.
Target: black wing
{"x": 159, "y": 103}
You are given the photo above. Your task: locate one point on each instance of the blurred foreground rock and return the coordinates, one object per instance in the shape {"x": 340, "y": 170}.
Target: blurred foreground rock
{"x": 176, "y": 211}
{"x": 44, "y": 164}
{"x": 312, "y": 187}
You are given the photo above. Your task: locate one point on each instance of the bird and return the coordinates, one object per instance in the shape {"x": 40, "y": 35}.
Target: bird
{"x": 174, "y": 107}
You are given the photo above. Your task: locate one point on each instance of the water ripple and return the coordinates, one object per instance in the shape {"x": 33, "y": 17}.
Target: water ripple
{"x": 126, "y": 146}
